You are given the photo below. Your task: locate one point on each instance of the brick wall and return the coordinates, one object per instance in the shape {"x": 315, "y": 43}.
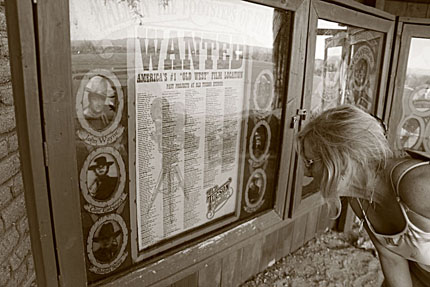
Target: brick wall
{"x": 16, "y": 262}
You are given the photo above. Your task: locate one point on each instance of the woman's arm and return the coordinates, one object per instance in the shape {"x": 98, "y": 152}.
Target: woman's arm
{"x": 394, "y": 267}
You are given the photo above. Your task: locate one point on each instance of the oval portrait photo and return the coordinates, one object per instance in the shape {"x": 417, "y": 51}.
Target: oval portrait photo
{"x": 99, "y": 107}
{"x": 106, "y": 243}
{"x": 100, "y": 102}
{"x": 102, "y": 180}
{"x": 263, "y": 92}
{"x": 260, "y": 142}
{"x": 102, "y": 177}
{"x": 255, "y": 190}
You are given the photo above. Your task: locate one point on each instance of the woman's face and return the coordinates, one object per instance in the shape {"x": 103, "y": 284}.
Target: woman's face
{"x": 313, "y": 165}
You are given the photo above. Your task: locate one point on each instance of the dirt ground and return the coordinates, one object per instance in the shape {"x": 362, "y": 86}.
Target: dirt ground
{"x": 331, "y": 259}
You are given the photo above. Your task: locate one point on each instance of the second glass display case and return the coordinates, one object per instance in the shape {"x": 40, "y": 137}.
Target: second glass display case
{"x": 410, "y": 113}
{"x": 347, "y": 63}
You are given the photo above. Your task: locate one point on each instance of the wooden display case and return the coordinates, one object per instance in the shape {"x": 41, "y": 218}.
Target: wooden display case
{"x": 348, "y": 57}
{"x": 410, "y": 87}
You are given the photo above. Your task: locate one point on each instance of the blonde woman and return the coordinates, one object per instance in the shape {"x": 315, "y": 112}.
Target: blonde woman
{"x": 346, "y": 152}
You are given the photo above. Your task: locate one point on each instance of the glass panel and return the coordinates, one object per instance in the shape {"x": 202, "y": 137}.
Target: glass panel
{"x": 178, "y": 119}
{"x": 414, "y": 129}
{"x": 346, "y": 70}
{"x": 410, "y": 132}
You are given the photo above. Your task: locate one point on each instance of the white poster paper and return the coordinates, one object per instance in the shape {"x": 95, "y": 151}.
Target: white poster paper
{"x": 189, "y": 105}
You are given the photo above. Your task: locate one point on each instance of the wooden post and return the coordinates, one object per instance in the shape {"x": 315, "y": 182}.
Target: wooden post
{"x": 22, "y": 51}
{"x": 55, "y": 76}
{"x": 380, "y": 4}
{"x": 346, "y": 218}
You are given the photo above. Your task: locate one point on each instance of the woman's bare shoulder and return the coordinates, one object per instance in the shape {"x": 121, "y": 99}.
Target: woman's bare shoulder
{"x": 414, "y": 189}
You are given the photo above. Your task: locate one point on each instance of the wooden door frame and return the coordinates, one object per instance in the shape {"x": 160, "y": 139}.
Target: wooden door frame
{"x": 406, "y": 29}
{"x": 355, "y": 14}
{"x": 52, "y": 22}
{"x": 22, "y": 39}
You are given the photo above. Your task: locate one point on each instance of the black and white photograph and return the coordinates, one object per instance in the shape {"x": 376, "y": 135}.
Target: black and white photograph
{"x": 215, "y": 143}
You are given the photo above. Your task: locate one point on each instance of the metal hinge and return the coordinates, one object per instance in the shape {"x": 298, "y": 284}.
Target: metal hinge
{"x": 45, "y": 153}
{"x": 300, "y": 115}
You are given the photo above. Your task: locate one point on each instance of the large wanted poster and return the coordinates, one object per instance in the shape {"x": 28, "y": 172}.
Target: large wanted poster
{"x": 188, "y": 103}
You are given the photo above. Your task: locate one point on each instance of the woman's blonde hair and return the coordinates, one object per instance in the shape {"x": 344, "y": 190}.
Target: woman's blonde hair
{"x": 352, "y": 146}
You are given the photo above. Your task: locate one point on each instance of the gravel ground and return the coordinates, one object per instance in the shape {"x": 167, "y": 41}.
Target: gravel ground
{"x": 331, "y": 259}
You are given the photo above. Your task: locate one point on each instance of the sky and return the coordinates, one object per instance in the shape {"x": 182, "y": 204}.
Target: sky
{"x": 323, "y": 24}
{"x": 419, "y": 54}
{"x": 113, "y": 19}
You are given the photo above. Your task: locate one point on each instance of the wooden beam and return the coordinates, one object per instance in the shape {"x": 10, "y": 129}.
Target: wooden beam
{"x": 380, "y": 4}
{"x": 58, "y": 110}
{"x": 370, "y": 3}
{"x": 359, "y": 6}
{"x": 397, "y": 8}
{"x": 418, "y": 10}
{"x": 410, "y": 1}
{"x": 22, "y": 52}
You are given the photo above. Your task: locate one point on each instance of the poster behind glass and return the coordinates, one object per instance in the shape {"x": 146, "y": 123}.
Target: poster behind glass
{"x": 413, "y": 130}
{"x": 191, "y": 99}
{"x": 346, "y": 70}
{"x": 178, "y": 119}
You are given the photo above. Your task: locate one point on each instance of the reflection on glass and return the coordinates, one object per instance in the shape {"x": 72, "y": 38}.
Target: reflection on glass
{"x": 346, "y": 70}
{"x": 99, "y": 102}
{"x": 331, "y": 75}
{"x": 416, "y": 98}
{"x": 421, "y": 99}
{"x": 170, "y": 86}
{"x": 410, "y": 133}
{"x": 347, "y": 62}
